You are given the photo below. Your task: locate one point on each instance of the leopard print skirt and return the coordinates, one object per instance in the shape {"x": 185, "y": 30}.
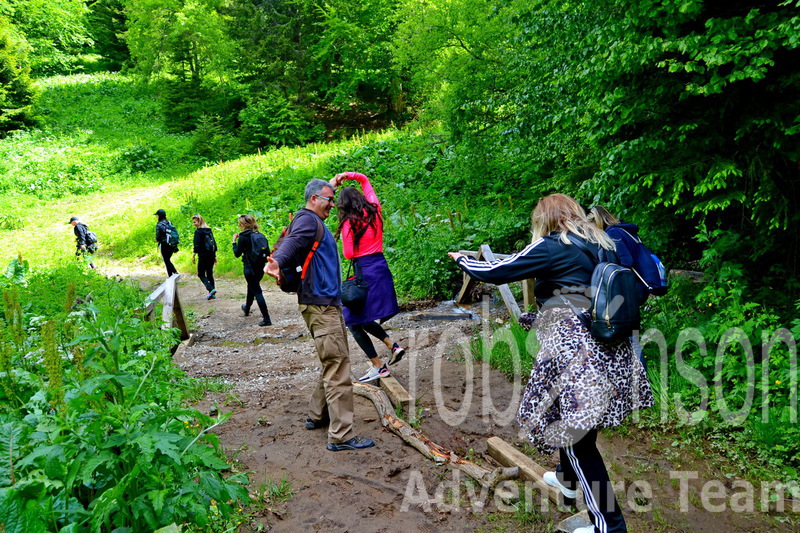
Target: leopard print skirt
{"x": 577, "y": 383}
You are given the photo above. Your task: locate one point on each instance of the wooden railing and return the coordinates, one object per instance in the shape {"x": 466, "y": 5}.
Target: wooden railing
{"x": 485, "y": 253}
{"x": 172, "y": 312}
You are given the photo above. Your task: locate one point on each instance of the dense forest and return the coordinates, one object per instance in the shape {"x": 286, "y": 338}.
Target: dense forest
{"x": 680, "y": 116}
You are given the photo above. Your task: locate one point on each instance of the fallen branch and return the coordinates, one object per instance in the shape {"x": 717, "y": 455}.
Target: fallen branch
{"x": 485, "y": 477}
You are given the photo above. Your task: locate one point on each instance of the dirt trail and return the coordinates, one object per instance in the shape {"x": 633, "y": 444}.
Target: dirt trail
{"x": 273, "y": 370}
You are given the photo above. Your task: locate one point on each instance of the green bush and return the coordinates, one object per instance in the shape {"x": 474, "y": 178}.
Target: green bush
{"x": 94, "y": 427}
{"x": 16, "y": 87}
{"x": 271, "y": 120}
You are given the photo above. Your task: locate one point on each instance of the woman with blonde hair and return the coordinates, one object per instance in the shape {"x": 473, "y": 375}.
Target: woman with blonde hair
{"x": 205, "y": 254}
{"x": 253, "y": 268}
{"x": 578, "y": 384}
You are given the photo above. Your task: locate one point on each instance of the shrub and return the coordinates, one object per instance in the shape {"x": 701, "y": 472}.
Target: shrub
{"x": 274, "y": 121}
{"x": 98, "y": 436}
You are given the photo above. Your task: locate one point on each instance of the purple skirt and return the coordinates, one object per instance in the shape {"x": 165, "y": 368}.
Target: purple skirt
{"x": 381, "y": 299}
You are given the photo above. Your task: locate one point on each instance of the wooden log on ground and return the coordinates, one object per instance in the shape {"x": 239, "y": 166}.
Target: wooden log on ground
{"x": 505, "y": 454}
{"x": 485, "y": 477}
{"x": 398, "y": 395}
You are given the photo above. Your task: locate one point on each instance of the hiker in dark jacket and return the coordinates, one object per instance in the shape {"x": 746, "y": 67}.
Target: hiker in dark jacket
{"x": 320, "y": 305}
{"x": 578, "y": 384}
{"x": 166, "y": 249}
{"x": 83, "y": 247}
{"x": 253, "y": 272}
{"x": 205, "y": 252}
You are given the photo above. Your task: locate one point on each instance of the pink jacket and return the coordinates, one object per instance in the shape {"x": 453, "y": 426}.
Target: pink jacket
{"x": 372, "y": 241}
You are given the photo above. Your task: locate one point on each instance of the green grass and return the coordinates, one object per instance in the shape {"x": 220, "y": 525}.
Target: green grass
{"x": 103, "y": 155}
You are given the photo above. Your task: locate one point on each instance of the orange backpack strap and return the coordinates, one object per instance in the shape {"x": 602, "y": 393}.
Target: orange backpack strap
{"x": 318, "y": 238}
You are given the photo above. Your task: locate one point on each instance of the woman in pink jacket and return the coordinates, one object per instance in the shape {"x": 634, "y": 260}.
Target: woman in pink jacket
{"x": 361, "y": 229}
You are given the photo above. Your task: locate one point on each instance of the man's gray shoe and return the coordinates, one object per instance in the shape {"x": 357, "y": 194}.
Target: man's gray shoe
{"x": 356, "y": 443}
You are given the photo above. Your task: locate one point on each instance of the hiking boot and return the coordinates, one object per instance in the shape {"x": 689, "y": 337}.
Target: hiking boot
{"x": 211, "y": 294}
{"x": 397, "y": 354}
{"x": 552, "y": 479}
{"x": 356, "y": 443}
{"x": 245, "y": 310}
{"x": 374, "y": 373}
{"x": 310, "y": 424}
{"x": 265, "y": 322}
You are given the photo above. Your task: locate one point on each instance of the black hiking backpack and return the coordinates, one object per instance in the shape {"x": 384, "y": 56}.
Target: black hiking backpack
{"x": 259, "y": 249}
{"x": 614, "y": 299}
{"x": 209, "y": 244}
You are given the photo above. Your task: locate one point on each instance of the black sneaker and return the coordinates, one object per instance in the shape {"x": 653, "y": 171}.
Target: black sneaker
{"x": 310, "y": 424}
{"x": 245, "y": 310}
{"x": 356, "y": 443}
{"x": 265, "y": 322}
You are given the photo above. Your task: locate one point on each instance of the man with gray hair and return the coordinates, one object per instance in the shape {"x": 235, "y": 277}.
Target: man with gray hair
{"x": 320, "y": 304}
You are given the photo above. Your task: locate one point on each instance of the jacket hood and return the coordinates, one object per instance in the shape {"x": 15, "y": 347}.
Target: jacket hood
{"x": 204, "y": 230}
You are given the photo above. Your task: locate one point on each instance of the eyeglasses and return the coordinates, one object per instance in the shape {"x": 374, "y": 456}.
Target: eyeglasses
{"x": 326, "y": 198}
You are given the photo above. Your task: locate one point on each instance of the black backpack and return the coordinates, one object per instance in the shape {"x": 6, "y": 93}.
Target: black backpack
{"x": 259, "y": 249}
{"x": 291, "y": 275}
{"x": 91, "y": 240}
{"x": 171, "y": 238}
{"x": 614, "y": 299}
{"x": 209, "y": 243}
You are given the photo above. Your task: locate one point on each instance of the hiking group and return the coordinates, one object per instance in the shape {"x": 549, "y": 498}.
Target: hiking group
{"x": 591, "y": 272}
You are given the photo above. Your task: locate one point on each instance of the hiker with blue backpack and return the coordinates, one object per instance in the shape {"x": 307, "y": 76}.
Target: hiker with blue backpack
{"x": 586, "y": 375}
{"x": 167, "y": 239}
{"x": 253, "y": 248}
{"x": 205, "y": 254}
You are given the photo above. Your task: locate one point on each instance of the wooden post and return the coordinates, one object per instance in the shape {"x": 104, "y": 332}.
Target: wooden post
{"x": 172, "y": 313}
{"x": 528, "y": 298}
{"x": 505, "y": 292}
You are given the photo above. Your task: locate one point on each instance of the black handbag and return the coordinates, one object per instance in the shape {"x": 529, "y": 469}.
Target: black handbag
{"x": 354, "y": 289}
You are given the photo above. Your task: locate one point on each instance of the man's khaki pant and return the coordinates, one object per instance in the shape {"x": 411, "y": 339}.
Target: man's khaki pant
{"x": 333, "y": 397}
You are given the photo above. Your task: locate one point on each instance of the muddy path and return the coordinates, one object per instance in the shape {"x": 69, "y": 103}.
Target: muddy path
{"x": 392, "y": 487}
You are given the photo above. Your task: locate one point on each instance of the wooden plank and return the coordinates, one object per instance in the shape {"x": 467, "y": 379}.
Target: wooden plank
{"x": 507, "y": 455}
{"x": 528, "y": 298}
{"x": 568, "y": 525}
{"x": 398, "y": 395}
{"x": 476, "y": 255}
{"x": 178, "y": 317}
{"x": 467, "y": 284}
{"x": 169, "y": 301}
{"x": 505, "y": 292}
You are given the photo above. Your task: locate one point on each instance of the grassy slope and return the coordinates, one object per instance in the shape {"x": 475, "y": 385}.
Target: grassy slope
{"x": 92, "y": 122}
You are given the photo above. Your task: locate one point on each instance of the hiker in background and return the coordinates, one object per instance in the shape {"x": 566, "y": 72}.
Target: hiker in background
{"x": 166, "y": 237}
{"x": 361, "y": 228}
{"x": 85, "y": 240}
{"x": 578, "y": 384}
{"x": 205, "y": 253}
{"x": 308, "y": 241}
{"x": 243, "y": 246}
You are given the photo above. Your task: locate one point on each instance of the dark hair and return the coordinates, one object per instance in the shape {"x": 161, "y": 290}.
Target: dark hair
{"x": 353, "y": 206}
